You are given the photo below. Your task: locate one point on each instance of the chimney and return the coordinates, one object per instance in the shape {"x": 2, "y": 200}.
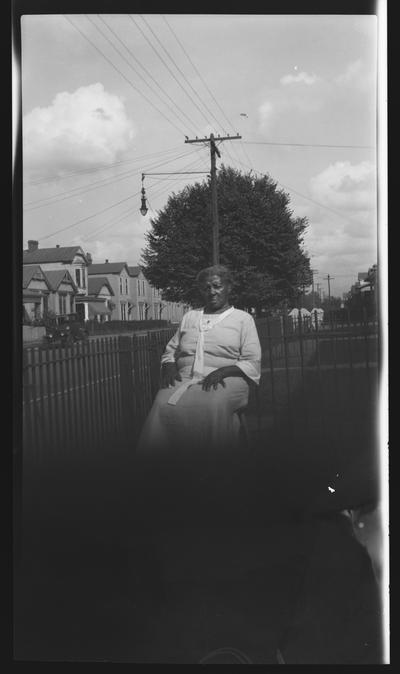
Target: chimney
{"x": 32, "y": 246}
{"x": 106, "y": 261}
{"x": 89, "y": 258}
{"x": 57, "y": 245}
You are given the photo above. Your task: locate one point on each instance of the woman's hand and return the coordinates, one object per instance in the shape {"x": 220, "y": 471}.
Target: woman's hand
{"x": 213, "y": 379}
{"x": 217, "y": 376}
{"x": 169, "y": 373}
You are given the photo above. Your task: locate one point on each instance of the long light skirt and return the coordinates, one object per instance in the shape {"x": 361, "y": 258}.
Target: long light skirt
{"x": 205, "y": 421}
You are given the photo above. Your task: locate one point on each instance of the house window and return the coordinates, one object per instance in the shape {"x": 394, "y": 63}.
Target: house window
{"x": 126, "y": 286}
{"x": 138, "y": 286}
{"x": 62, "y": 304}
{"x": 45, "y": 304}
{"x": 143, "y": 288}
{"x": 80, "y": 278}
{"x": 123, "y": 311}
{"x": 71, "y": 304}
{"x": 141, "y": 311}
{"x": 120, "y": 284}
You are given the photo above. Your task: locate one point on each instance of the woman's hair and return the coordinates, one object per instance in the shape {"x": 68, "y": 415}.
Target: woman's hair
{"x": 216, "y": 270}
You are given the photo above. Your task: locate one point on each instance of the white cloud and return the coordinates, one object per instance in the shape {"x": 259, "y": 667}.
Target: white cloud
{"x": 300, "y": 78}
{"x": 87, "y": 127}
{"x": 345, "y": 241}
{"x": 358, "y": 75}
{"x": 265, "y": 112}
{"x": 346, "y": 186}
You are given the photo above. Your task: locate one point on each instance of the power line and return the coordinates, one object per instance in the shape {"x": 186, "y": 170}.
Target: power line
{"x": 317, "y": 203}
{"x": 166, "y": 64}
{"x": 78, "y": 222}
{"x": 194, "y": 67}
{"x": 208, "y": 89}
{"x": 103, "y": 227}
{"x": 103, "y": 167}
{"x": 177, "y": 67}
{"x": 122, "y": 75}
{"x": 199, "y": 74}
{"x": 77, "y": 191}
{"x": 138, "y": 73}
{"x": 261, "y": 142}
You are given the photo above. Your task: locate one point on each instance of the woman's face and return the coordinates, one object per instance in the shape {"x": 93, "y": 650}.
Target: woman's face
{"x": 215, "y": 293}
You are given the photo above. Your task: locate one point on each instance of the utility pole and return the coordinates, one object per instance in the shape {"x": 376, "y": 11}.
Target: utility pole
{"x": 313, "y": 272}
{"x": 329, "y": 279}
{"x": 214, "y": 201}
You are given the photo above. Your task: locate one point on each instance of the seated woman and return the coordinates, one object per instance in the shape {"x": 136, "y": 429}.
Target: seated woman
{"x": 206, "y": 369}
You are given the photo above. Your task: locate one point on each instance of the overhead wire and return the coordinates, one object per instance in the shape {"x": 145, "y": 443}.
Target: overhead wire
{"x": 191, "y": 62}
{"x": 135, "y": 70}
{"x": 131, "y": 210}
{"x": 148, "y": 73}
{"x": 291, "y": 189}
{"x": 206, "y": 87}
{"x": 77, "y": 191}
{"x": 198, "y": 73}
{"x": 353, "y": 147}
{"x": 102, "y": 167}
{"x": 124, "y": 76}
{"x": 167, "y": 66}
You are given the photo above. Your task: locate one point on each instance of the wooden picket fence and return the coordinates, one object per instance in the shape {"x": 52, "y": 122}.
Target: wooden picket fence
{"x": 88, "y": 395}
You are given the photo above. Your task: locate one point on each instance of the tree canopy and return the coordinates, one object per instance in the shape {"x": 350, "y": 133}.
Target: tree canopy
{"x": 260, "y": 240}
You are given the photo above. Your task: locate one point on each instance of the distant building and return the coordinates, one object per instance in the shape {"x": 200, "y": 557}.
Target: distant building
{"x": 117, "y": 275}
{"x": 148, "y": 302}
{"x": 100, "y": 299}
{"x": 67, "y": 258}
{"x": 35, "y": 293}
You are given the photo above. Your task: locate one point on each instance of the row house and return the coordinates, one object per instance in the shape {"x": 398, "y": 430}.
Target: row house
{"x": 148, "y": 302}
{"x": 117, "y": 276}
{"x": 46, "y": 291}
{"x": 71, "y": 259}
{"x": 134, "y": 297}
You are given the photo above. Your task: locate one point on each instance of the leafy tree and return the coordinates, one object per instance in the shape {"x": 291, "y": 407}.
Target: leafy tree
{"x": 260, "y": 241}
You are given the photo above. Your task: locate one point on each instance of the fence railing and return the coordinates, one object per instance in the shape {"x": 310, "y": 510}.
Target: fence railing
{"x": 80, "y": 397}
{"x": 98, "y": 393}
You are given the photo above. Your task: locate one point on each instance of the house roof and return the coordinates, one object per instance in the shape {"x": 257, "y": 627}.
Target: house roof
{"x": 107, "y": 268}
{"x": 43, "y": 255}
{"x": 134, "y": 271}
{"x": 28, "y": 273}
{"x": 96, "y": 283}
{"x": 57, "y": 276}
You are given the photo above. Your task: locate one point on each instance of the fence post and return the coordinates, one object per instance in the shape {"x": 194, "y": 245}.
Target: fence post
{"x": 128, "y": 411}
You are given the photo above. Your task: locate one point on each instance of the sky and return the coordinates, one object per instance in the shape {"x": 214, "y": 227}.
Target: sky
{"x": 108, "y": 97}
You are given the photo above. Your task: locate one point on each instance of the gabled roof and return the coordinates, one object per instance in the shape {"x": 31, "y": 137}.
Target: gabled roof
{"x": 107, "y": 268}
{"x": 29, "y": 271}
{"x": 134, "y": 271}
{"x": 57, "y": 276}
{"x": 96, "y": 283}
{"x": 43, "y": 255}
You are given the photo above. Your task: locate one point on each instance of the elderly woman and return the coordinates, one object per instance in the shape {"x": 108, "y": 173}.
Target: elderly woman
{"x": 206, "y": 370}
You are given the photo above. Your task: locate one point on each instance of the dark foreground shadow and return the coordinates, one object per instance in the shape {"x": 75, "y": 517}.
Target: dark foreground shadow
{"x": 159, "y": 561}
